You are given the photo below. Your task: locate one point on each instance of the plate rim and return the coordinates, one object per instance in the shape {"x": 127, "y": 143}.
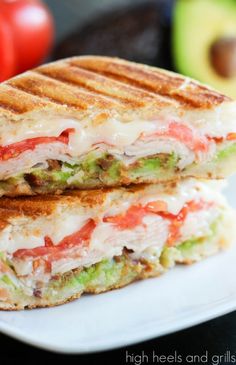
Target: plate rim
{"x": 131, "y": 339}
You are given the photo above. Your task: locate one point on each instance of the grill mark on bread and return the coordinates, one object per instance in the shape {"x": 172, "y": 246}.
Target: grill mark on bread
{"x": 101, "y": 85}
{"x": 12, "y": 108}
{"x": 108, "y": 84}
{"x": 17, "y": 101}
{"x": 45, "y": 205}
{"x": 88, "y": 96}
{"x": 82, "y": 84}
{"x": 47, "y": 91}
{"x": 165, "y": 83}
{"x": 187, "y": 99}
{"x": 60, "y": 93}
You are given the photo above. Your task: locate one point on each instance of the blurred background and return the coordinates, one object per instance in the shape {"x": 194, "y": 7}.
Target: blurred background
{"x": 193, "y": 37}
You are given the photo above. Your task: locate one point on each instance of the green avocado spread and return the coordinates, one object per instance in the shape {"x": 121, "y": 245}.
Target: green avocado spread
{"x": 95, "y": 170}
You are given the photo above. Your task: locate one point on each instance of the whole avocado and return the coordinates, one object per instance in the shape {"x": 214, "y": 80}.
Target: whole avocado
{"x": 204, "y": 42}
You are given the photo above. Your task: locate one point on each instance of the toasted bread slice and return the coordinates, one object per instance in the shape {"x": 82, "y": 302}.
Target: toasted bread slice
{"x": 92, "y": 82}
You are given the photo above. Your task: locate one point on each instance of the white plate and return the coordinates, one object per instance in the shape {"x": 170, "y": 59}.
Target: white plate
{"x": 183, "y": 297}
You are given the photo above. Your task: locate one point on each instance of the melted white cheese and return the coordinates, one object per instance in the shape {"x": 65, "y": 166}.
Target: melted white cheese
{"x": 218, "y": 124}
{"x": 197, "y": 224}
{"x": 115, "y": 132}
{"x": 111, "y": 131}
{"x": 12, "y": 132}
{"x": 187, "y": 190}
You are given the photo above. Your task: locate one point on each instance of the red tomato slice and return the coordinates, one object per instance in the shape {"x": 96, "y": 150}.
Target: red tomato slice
{"x": 78, "y": 238}
{"x": 15, "y": 149}
{"x": 157, "y": 206}
{"x": 184, "y": 134}
{"x": 134, "y": 216}
{"x": 7, "y": 51}
{"x": 176, "y": 221}
{"x": 130, "y": 219}
{"x": 48, "y": 242}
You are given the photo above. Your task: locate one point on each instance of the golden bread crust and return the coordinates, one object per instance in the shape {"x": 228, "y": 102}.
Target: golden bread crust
{"x": 77, "y": 86}
{"x": 43, "y": 205}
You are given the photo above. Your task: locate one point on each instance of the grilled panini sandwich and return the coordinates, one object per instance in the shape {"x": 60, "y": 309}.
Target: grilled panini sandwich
{"x": 54, "y": 249}
{"x": 88, "y": 122}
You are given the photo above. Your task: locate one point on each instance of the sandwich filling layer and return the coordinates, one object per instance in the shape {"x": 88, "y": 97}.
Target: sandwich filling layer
{"x": 50, "y": 168}
{"x": 146, "y": 225}
{"x": 105, "y": 275}
{"x": 111, "y": 153}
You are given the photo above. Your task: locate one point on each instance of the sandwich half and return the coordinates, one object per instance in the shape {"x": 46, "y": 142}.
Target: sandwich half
{"x": 88, "y": 122}
{"x": 54, "y": 248}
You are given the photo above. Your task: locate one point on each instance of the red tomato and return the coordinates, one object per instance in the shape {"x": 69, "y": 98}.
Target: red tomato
{"x": 15, "y": 149}
{"x": 130, "y": 219}
{"x": 135, "y": 214}
{"x": 184, "y": 134}
{"x": 54, "y": 252}
{"x": 7, "y": 51}
{"x": 156, "y": 206}
{"x": 176, "y": 221}
{"x": 32, "y": 31}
